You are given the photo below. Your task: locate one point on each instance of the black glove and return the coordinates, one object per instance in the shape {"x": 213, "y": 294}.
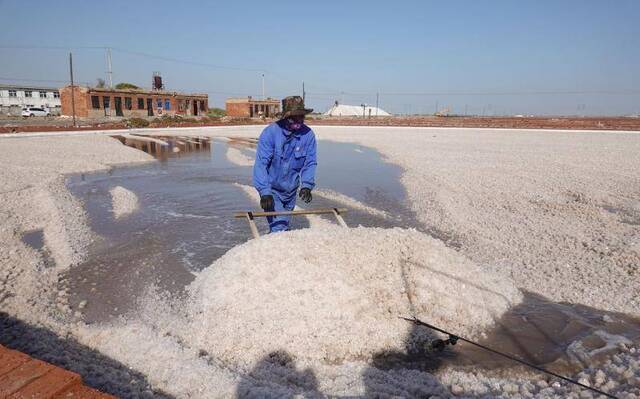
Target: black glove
{"x": 305, "y": 195}
{"x": 266, "y": 203}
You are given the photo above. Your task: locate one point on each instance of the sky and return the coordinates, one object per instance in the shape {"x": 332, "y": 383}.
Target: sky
{"x": 553, "y": 57}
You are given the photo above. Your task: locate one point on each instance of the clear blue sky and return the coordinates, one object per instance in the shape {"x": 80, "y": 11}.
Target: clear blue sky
{"x": 355, "y": 47}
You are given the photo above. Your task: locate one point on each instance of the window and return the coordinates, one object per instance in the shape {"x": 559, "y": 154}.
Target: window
{"x": 95, "y": 102}
{"x": 140, "y": 103}
{"x": 127, "y": 102}
{"x": 106, "y": 101}
{"x": 56, "y": 94}
{"x": 167, "y": 104}
{"x": 201, "y": 105}
{"x": 12, "y": 93}
{"x": 28, "y": 93}
{"x": 159, "y": 103}
{"x": 43, "y": 94}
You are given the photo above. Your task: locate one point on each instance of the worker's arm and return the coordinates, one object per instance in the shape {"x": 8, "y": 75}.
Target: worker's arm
{"x": 264, "y": 154}
{"x": 308, "y": 172}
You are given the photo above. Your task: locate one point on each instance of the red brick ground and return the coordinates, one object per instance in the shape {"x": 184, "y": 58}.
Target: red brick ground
{"x": 24, "y": 377}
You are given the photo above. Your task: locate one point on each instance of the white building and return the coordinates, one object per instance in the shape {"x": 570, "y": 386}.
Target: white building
{"x": 355, "y": 110}
{"x": 13, "y": 98}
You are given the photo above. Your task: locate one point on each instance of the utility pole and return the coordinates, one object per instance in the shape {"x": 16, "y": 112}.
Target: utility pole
{"x": 377, "y": 101}
{"x": 465, "y": 109}
{"x": 263, "y": 97}
{"x": 73, "y": 100}
{"x": 109, "y": 71}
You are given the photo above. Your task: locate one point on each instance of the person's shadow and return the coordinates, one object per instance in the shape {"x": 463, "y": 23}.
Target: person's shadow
{"x": 276, "y": 376}
{"x": 408, "y": 373}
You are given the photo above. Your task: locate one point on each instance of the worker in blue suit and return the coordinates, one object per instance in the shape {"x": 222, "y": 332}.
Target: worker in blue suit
{"x": 285, "y": 161}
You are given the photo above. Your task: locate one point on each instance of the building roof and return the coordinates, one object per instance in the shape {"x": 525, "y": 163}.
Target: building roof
{"x": 27, "y": 87}
{"x": 140, "y": 91}
{"x": 355, "y": 110}
{"x": 268, "y": 100}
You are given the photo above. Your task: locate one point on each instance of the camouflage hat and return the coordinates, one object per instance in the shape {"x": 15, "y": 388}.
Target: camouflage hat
{"x": 294, "y": 105}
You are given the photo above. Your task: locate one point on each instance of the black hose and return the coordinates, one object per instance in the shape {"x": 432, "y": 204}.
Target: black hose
{"x": 515, "y": 359}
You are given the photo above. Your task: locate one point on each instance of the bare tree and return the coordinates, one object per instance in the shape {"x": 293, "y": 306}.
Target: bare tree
{"x": 100, "y": 83}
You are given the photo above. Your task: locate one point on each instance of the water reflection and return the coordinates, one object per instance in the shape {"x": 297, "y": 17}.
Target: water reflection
{"x": 165, "y": 147}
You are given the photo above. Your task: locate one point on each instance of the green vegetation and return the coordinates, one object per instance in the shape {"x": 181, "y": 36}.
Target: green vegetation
{"x": 216, "y": 112}
{"x": 124, "y": 85}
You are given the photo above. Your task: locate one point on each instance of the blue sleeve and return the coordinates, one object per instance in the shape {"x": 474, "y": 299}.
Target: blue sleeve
{"x": 264, "y": 154}
{"x": 308, "y": 172}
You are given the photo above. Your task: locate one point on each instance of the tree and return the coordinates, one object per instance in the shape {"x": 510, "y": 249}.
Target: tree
{"x": 124, "y": 85}
{"x": 100, "y": 83}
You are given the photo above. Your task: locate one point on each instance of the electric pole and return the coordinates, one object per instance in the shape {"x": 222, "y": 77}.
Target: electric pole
{"x": 377, "y": 101}
{"x": 109, "y": 71}
{"x": 263, "y": 97}
{"x": 73, "y": 100}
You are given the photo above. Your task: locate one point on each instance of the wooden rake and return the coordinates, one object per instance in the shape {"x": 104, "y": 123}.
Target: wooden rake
{"x": 250, "y": 216}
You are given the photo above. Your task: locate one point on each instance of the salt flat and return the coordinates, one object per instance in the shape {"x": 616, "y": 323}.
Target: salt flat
{"x": 554, "y": 213}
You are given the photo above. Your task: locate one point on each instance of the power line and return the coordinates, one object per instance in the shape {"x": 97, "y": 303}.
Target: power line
{"x": 65, "y": 48}
{"x": 330, "y": 91}
{"x": 516, "y": 93}
{"x": 137, "y": 53}
{"x": 484, "y": 93}
{"x": 201, "y": 64}
{"x": 37, "y": 80}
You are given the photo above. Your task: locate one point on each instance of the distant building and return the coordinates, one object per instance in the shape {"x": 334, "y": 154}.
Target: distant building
{"x": 13, "y": 98}
{"x": 355, "y": 110}
{"x": 249, "y": 107}
{"x": 96, "y": 102}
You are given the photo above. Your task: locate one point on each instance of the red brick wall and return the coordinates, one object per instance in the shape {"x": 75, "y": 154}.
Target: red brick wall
{"x": 237, "y": 109}
{"x": 80, "y": 99}
{"x": 84, "y": 107}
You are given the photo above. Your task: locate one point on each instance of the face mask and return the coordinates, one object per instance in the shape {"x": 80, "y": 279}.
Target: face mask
{"x": 294, "y": 124}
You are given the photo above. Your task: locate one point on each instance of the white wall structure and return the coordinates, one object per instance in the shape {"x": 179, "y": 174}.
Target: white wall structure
{"x": 355, "y": 110}
{"x": 13, "y": 98}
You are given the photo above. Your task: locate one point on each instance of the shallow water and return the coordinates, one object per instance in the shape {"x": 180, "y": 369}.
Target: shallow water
{"x": 563, "y": 337}
{"x": 35, "y": 239}
{"x": 185, "y": 220}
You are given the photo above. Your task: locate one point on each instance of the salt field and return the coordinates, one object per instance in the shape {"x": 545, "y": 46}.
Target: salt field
{"x": 121, "y": 260}
{"x": 185, "y": 218}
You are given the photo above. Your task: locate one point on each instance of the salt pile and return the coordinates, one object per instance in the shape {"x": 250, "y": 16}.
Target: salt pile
{"x": 334, "y": 295}
{"x": 124, "y": 202}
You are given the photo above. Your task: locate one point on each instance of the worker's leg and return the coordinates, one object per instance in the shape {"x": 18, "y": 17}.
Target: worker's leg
{"x": 281, "y": 223}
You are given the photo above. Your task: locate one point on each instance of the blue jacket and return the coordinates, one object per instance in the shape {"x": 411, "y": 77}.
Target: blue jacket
{"x": 283, "y": 159}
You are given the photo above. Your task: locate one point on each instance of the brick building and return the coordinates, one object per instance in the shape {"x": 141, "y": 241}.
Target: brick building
{"x": 96, "y": 102}
{"x": 249, "y": 108}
